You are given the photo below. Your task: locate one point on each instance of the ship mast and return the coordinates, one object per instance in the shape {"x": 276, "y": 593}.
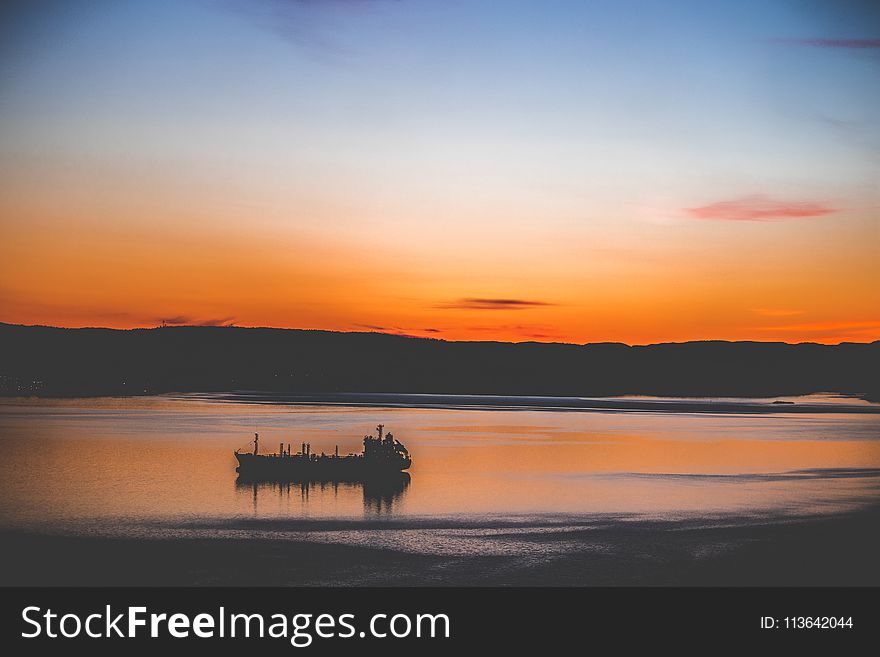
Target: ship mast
{"x": 256, "y": 442}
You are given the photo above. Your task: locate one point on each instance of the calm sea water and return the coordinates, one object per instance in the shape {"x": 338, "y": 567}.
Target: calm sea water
{"x": 130, "y": 465}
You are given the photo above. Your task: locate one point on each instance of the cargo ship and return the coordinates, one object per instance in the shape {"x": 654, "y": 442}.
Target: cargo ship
{"x": 383, "y": 455}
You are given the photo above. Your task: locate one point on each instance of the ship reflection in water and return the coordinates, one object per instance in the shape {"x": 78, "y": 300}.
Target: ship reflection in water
{"x": 381, "y": 495}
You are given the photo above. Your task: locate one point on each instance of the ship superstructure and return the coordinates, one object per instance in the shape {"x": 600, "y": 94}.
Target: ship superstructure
{"x": 382, "y": 454}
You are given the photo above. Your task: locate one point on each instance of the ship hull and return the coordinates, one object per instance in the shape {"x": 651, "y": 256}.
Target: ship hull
{"x": 346, "y": 468}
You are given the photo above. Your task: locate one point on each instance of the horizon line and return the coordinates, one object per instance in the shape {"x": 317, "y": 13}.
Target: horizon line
{"x": 419, "y": 337}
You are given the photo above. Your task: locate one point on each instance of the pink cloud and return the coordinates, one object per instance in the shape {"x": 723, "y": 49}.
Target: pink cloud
{"x": 760, "y": 208}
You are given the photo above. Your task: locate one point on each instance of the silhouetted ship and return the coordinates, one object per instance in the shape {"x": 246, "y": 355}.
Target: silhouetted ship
{"x": 383, "y": 456}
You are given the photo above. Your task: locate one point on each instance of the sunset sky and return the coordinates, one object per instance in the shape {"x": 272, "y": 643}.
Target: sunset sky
{"x": 547, "y": 170}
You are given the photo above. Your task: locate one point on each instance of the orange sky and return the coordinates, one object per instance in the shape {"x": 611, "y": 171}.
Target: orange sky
{"x": 69, "y": 261}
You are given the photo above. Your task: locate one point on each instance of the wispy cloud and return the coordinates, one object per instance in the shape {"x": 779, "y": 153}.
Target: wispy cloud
{"x": 524, "y": 331}
{"x": 759, "y": 207}
{"x": 477, "y": 303}
{"x": 397, "y": 330}
{"x": 859, "y": 44}
{"x": 322, "y": 3}
{"x": 776, "y": 312}
{"x": 306, "y": 23}
{"x": 185, "y": 320}
{"x": 828, "y": 331}
{"x": 175, "y": 320}
{"x": 223, "y": 321}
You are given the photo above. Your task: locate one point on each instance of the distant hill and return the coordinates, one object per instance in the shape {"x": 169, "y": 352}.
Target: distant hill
{"x": 54, "y": 361}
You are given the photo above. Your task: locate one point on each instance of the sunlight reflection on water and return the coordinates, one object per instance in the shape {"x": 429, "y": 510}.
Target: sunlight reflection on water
{"x": 117, "y": 464}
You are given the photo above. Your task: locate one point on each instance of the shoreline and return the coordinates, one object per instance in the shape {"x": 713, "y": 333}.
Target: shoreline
{"x": 838, "y": 550}
{"x": 711, "y": 405}
{"x": 537, "y": 403}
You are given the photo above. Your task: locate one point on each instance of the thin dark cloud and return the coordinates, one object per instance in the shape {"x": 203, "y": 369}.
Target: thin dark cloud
{"x": 857, "y": 331}
{"x": 396, "y": 330}
{"x": 306, "y": 23}
{"x": 528, "y": 332}
{"x": 175, "y": 320}
{"x": 541, "y": 336}
{"x": 777, "y": 312}
{"x": 186, "y": 320}
{"x": 760, "y": 208}
{"x": 373, "y": 327}
{"x": 113, "y": 314}
{"x": 853, "y": 44}
{"x": 478, "y": 303}
{"x": 321, "y": 3}
{"x": 223, "y": 321}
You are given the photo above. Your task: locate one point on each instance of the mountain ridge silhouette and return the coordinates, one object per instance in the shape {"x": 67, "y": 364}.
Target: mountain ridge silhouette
{"x": 53, "y": 361}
